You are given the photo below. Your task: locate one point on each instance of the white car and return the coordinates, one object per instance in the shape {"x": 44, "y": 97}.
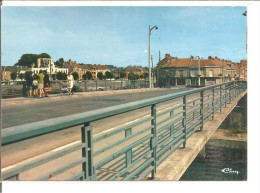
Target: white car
{"x": 100, "y": 88}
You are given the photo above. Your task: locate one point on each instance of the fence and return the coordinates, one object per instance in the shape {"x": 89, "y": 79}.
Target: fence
{"x": 20, "y": 88}
{"x": 12, "y": 88}
{"x": 134, "y": 150}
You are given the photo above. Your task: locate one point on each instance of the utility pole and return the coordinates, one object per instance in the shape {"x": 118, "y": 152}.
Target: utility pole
{"x": 152, "y": 70}
{"x": 222, "y": 70}
{"x": 198, "y": 70}
{"x": 149, "y": 57}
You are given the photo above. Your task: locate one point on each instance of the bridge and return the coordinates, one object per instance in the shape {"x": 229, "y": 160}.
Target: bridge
{"x": 158, "y": 145}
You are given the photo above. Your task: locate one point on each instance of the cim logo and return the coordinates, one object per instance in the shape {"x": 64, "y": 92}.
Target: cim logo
{"x": 229, "y": 171}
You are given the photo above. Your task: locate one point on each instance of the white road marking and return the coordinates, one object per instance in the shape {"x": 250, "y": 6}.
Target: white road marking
{"x": 64, "y": 146}
{"x": 75, "y": 142}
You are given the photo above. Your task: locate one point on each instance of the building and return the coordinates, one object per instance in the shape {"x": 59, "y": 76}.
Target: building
{"x": 192, "y": 71}
{"x": 136, "y": 70}
{"x": 48, "y": 65}
{"x": 6, "y": 75}
{"x": 83, "y": 68}
{"x": 7, "y": 70}
{"x": 44, "y": 64}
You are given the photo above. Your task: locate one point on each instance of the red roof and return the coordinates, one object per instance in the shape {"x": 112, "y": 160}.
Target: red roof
{"x": 169, "y": 62}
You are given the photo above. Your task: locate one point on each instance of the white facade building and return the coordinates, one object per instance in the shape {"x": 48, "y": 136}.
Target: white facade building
{"x": 48, "y": 65}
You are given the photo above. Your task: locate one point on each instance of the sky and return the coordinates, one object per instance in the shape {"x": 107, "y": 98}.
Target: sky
{"x": 119, "y": 35}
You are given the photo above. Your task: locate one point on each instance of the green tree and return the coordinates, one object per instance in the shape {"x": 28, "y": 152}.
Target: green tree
{"x": 122, "y": 74}
{"x": 59, "y": 62}
{"x": 137, "y": 77}
{"x": 107, "y": 73}
{"x": 13, "y": 75}
{"x": 145, "y": 75}
{"x": 142, "y": 76}
{"x": 29, "y": 59}
{"x": 43, "y": 55}
{"x": 131, "y": 76}
{"x": 100, "y": 75}
{"x": 84, "y": 76}
{"x": 75, "y": 75}
{"x": 89, "y": 75}
{"x": 21, "y": 76}
{"x": 61, "y": 76}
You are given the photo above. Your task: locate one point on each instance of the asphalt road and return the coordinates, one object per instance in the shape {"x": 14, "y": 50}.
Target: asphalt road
{"x": 18, "y": 114}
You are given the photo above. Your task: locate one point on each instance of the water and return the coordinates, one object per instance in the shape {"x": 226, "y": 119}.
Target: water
{"x": 220, "y": 164}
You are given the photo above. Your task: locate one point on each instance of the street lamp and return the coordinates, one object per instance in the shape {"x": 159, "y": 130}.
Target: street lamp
{"x": 199, "y": 69}
{"x": 149, "y": 59}
{"x": 245, "y": 14}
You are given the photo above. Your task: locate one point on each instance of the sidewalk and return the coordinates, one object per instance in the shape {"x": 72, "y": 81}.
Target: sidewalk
{"x": 20, "y": 100}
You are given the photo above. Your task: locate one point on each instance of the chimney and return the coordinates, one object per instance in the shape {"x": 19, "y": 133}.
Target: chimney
{"x": 167, "y": 56}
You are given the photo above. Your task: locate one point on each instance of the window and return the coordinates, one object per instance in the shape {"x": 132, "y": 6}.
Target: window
{"x": 192, "y": 73}
{"x": 211, "y": 73}
{"x": 202, "y": 73}
{"x": 181, "y": 73}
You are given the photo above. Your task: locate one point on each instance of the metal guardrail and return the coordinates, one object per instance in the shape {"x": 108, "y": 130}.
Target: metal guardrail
{"x": 19, "y": 88}
{"x": 133, "y": 151}
{"x": 99, "y": 85}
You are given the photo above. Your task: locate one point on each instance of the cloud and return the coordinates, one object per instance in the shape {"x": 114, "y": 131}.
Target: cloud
{"x": 47, "y": 31}
{"x": 70, "y": 34}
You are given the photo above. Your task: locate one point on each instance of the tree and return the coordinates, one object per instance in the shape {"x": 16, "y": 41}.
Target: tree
{"x": 146, "y": 75}
{"x": 13, "y": 75}
{"x": 61, "y": 76}
{"x": 142, "y": 76}
{"x": 131, "y": 76}
{"x": 122, "y": 74}
{"x": 137, "y": 77}
{"x": 29, "y": 59}
{"x": 75, "y": 75}
{"x": 84, "y": 76}
{"x": 109, "y": 75}
{"x": 59, "y": 62}
{"x": 100, "y": 75}
{"x": 21, "y": 76}
{"x": 89, "y": 75}
{"x": 43, "y": 55}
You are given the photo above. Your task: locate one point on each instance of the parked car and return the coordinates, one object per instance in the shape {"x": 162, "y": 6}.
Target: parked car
{"x": 100, "y": 88}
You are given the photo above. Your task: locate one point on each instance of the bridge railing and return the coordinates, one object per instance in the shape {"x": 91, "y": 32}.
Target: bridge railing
{"x": 131, "y": 151}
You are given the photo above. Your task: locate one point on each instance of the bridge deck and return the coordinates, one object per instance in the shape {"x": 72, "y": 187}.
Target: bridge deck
{"x": 176, "y": 164}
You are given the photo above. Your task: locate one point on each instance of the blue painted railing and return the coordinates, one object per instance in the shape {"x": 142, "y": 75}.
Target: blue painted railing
{"x": 131, "y": 151}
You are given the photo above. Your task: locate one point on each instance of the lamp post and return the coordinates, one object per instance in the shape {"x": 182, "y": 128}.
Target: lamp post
{"x": 149, "y": 57}
{"x": 152, "y": 71}
{"x": 198, "y": 70}
{"x": 245, "y": 14}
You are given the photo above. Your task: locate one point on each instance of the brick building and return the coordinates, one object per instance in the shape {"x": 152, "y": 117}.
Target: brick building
{"x": 185, "y": 71}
